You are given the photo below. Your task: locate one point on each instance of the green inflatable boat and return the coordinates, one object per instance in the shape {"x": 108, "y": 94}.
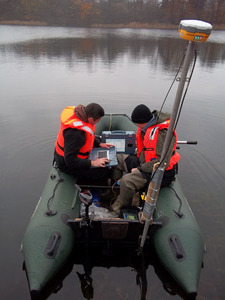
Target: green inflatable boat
{"x": 65, "y": 217}
{"x": 68, "y": 212}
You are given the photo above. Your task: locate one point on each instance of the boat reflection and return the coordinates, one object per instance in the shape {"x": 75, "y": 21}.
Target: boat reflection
{"x": 108, "y": 256}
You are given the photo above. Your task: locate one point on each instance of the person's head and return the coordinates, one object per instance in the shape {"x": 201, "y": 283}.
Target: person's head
{"x": 94, "y": 113}
{"x": 141, "y": 115}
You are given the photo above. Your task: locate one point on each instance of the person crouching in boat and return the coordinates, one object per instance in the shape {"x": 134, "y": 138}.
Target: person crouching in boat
{"x": 150, "y": 136}
{"x": 76, "y": 139}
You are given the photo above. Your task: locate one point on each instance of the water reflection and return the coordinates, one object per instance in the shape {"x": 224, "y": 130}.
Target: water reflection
{"x": 103, "y": 257}
{"x": 108, "y": 48}
{"x": 117, "y": 68}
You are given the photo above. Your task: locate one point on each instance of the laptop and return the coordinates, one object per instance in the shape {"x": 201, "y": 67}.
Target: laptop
{"x": 100, "y": 152}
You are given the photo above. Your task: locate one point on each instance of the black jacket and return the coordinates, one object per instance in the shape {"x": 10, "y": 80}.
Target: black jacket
{"x": 74, "y": 140}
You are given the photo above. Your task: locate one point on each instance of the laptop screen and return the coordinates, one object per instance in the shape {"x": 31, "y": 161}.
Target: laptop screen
{"x": 103, "y": 153}
{"x": 118, "y": 143}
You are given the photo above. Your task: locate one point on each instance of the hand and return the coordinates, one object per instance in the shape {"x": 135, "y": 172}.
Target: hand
{"x": 104, "y": 145}
{"x": 134, "y": 169}
{"x": 100, "y": 162}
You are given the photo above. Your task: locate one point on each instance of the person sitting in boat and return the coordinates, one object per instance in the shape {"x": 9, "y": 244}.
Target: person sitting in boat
{"x": 150, "y": 136}
{"x": 76, "y": 139}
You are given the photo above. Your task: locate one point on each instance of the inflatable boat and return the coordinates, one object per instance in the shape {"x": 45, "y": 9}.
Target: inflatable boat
{"x": 58, "y": 224}
{"x": 71, "y": 212}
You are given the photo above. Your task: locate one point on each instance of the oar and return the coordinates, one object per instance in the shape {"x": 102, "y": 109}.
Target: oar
{"x": 192, "y": 31}
{"x": 187, "y": 142}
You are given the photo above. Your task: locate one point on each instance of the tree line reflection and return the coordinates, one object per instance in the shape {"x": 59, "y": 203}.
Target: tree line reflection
{"x": 109, "y": 48}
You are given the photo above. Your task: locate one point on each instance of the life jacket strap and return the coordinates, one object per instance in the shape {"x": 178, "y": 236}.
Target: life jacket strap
{"x": 84, "y": 154}
{"x": 60, "y": 147}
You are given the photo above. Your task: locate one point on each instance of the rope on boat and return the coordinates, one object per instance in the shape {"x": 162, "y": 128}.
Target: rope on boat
{"x": 49, "y": 211}
{"x": 178, "y": 213}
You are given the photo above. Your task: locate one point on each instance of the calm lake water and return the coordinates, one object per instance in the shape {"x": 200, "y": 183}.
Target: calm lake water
{"x": 43, "y": 70}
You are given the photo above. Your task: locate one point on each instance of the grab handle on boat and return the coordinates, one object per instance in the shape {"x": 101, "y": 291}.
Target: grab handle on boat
{"x": 176, "y": 247}
{"x": 53, "y": 245}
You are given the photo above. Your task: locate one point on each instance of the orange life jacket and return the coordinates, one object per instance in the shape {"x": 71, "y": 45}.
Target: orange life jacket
{"x": 150, "y": 142}
{"x": 70, "y": 120}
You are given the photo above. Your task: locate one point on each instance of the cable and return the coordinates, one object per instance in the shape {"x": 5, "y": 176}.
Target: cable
{"x": 180, "y": 107}
{"x": 182, "y": 101}
{"x": 185, "y": 92}
{"x": 167, "y": 94}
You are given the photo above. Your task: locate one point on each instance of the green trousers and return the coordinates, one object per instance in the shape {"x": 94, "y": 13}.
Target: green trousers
{"x": 130, "y": 183}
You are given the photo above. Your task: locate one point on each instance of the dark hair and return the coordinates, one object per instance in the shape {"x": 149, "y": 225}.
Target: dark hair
{"x": 94, "y": 110}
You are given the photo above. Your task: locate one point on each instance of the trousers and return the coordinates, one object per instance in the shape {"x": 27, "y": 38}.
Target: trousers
{"x": 130, "y": 183}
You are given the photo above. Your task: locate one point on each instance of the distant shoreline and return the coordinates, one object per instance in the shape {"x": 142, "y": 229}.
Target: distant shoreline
{"x": 129, "y": 25}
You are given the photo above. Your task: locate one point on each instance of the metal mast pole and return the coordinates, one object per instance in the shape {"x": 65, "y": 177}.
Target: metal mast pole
{"x": 193, "y": 31}
{"x": 154, "y": 186}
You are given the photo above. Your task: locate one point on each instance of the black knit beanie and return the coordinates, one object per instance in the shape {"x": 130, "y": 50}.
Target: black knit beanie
{"x": 141, "y": 114}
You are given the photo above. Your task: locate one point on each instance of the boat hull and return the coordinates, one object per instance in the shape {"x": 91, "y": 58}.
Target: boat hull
{"x": 48, "y": 240}
{"x": 178, "y": 242}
